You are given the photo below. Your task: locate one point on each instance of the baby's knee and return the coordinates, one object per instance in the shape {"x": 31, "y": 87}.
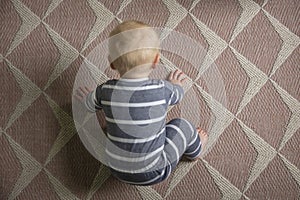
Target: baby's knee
{"x": 181, "y": 122}
{"x": 175, "y": 121}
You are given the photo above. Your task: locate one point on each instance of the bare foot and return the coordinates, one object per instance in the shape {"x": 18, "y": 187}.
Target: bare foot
{"x": 204, "y": 138}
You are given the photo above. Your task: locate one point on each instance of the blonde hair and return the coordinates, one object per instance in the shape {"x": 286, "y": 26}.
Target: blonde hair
{"x": 132, "y": 43}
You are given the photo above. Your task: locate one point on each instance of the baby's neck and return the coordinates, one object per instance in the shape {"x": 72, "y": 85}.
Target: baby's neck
{"x": 132, "y": 74}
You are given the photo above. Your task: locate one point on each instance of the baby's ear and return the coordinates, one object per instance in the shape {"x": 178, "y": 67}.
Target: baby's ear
{"x": 157, "y": 57}
{"x": 109, "y": 59}
{"x": 156, "y": 60}
{"x": 112, "y": 66}
{"x": 110, "y": 63}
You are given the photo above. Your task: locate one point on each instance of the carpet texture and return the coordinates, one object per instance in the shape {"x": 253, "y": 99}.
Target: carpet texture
{"x": 254, "y": 44}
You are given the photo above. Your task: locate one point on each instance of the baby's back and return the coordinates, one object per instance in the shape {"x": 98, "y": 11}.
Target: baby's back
{"x": 135, "y": 111}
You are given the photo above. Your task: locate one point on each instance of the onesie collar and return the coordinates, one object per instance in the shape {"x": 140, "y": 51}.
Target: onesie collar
{"x": 134, "y": 79}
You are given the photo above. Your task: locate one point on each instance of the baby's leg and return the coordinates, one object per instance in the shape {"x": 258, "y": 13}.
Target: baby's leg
{"x": 195, "y": 149}
{"x": 182, "y": 138}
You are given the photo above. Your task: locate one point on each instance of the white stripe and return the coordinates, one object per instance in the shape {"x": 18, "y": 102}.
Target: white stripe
{"x": 195, "y": 156}
{"x": 147, "y": 87}
{"x": 94, "y": 95}
{"x": 88, "y": 106}
{"x": 135, "y": 122}
{"x": 143, "y": 104}
{"x": 169, "y": 171}
{"x": 189, "y": 124}
{"x": 165, "y": 157}
{"x": 181, "y": 97}
{"x": 194, "y": 150}
{"x": 138, "y": 170}
{"x": 137, "y": 159}
{"x": 174, "y": 147}
{"x": 192, "y": 142}
{"x": 135, "y": 141}
{"x": 133, "y": 79}
{"x": 169, "y": 103}
{"x": 145, "y": 182}
{"x": 95, "y": 99}
{"x": 180, "y": 133}
{"x": 198, "y": 154}
{"x": 167, "y": 163}
{"x": 176, "y": 91}
{"x": 154, "y": 179}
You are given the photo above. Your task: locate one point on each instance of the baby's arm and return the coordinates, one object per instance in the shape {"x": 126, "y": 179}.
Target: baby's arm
{"x": 89, "y": 98}
{"x": 175, "y": 91}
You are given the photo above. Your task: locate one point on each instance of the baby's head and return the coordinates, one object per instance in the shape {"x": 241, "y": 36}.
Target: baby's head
{"x": 133, "y": 46}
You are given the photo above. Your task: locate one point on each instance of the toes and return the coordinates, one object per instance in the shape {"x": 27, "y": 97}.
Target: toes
{"x": 201, "y": 131}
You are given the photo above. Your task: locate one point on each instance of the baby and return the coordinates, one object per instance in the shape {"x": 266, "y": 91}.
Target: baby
{"x": 143, "y": 149}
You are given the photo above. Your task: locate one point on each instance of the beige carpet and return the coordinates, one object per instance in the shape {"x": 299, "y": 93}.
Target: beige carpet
{"x": 254, "y": 133}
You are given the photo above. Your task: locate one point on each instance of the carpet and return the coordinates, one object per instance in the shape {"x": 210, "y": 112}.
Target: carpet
{"x": 252, "y": 119}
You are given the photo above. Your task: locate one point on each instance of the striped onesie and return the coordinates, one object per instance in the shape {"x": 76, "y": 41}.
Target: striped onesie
{"x": 143, "y": 149}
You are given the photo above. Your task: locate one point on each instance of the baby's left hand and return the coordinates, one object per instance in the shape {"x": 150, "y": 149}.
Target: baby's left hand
{"x": 177, "y": 77}
{"x": 82, "y": 92}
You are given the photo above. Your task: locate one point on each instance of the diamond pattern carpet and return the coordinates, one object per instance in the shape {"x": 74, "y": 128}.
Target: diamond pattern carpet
{"x": 254, "y": 44}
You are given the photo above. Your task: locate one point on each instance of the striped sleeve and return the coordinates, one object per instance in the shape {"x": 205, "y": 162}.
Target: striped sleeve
{"x": 92, "y": 101}
{"x": 173, "y": 93}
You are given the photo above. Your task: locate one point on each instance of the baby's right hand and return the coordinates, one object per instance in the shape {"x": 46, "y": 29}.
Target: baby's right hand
{"x": 177, "y": 77}
{"x": 82, "y": 92}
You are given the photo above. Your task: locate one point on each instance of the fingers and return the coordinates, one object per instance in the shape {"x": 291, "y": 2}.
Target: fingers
{"x": 201, "y": 131}
{"x": 171, "y": 75}
{"x": 78, "y": 97}
{"x": 82, "y": 92}
{"x": 86, "y": 90}
{"x": 177, "y": 75}
{"x": 184, "y": 79}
